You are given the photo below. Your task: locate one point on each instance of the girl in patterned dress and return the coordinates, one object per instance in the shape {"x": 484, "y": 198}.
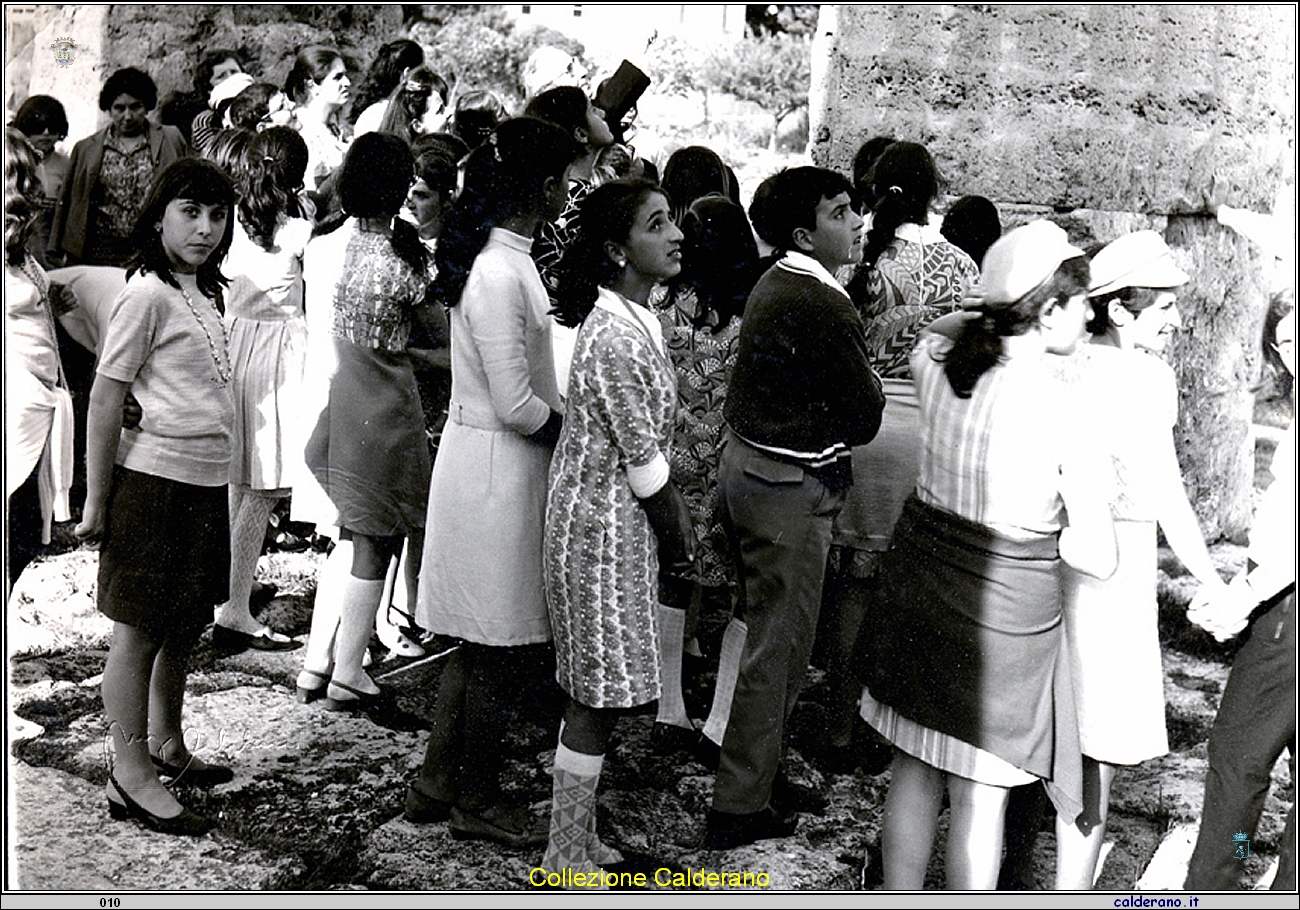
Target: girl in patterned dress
{"x": 906, "y": 280}
{"x": 367, "y": 448}
{"x": 615, "y": 523}
{"x": 700, "y": 319}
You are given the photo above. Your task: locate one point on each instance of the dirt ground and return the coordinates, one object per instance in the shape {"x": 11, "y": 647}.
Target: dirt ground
{"x": 317, "y": 800}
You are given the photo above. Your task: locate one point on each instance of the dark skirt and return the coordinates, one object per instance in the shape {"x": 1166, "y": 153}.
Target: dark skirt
{"x": 966, "y": 638}
{"x": 369, "y": 450}
{"x": 164, "y": 561}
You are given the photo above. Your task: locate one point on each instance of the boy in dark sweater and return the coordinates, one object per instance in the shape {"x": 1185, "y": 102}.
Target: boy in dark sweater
{"x": 801, "y": 396}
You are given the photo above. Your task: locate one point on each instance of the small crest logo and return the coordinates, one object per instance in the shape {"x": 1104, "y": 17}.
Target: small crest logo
{"x": 1242, "y": 840}
{"x": 65, "y": 51}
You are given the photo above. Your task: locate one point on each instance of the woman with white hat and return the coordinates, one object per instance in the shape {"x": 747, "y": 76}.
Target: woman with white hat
{"x": 963, "y": 660}
{"x": 1112, "y": 623}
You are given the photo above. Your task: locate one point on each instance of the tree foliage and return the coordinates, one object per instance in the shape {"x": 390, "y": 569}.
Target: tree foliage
{"x": 675, "y": 67}
{"x": 479, "y": 47}
{"x": 797, "y": 19}
{"x": 773, "y": 73}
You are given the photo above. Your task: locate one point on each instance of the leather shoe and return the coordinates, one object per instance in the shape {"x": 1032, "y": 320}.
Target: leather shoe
{"x": 727, "y": 830}
{"x": 205, "y": 777}
{"x": 423, "y": 809}
{"x": 187, "y": 823}
{"x": 232, "y": 641}
{"x": 498, "y": 823}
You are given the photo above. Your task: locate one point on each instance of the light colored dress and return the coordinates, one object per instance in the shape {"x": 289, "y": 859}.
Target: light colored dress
{"x": 325, "y": 151}
{"x": 703, "y": 359}
{"x": 268, "y": 352}
{"x": 481, "y": 579}
{"x": 601, "y": 554}
{"x": 38, "y": 417}
{"x": 1112, "y": 628}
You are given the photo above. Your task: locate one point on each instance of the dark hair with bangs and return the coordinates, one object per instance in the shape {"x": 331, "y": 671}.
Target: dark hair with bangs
{"x": 788, "y": 200}
{"x": 41, "y": 113}
{"x": 605, "y": 215}
{"x": 199, "y": 181}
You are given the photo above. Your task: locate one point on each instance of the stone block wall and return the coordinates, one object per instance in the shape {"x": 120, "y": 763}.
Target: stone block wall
{"x": 1106, "y": 119}
{"x": 167, "y": 41}
{"x": 1126, "y": 108}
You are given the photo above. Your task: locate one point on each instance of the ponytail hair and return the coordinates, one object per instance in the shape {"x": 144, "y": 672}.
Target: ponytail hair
{"x": 605, "y": 215}
{"x": 978, "y": 345}
{"x": 273, "y": 175}
{"x": 903, "y": 181}
{"x": 503, "y": 177}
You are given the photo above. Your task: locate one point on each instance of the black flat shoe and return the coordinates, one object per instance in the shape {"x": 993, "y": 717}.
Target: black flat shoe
{"x": 232, "y": 641}
{"x": 356, "y": 701}
{"x": 727, "y": 830}
{"x": 423, "y": 809}
{"x": 380, "y": 709}
{"x": 205, "y": 777}
{"x": 189, "y": 824}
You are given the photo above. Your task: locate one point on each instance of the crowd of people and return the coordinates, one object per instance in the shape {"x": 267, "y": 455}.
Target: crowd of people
{"x": 541, "y": 403}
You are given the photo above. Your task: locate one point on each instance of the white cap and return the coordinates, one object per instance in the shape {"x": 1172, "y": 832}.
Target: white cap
{"x": 1021, "y": 260}
{"x": 1137, "y": 260}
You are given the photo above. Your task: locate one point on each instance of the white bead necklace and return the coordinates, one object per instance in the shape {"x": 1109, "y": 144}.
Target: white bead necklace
{"x": 221, "y": 359}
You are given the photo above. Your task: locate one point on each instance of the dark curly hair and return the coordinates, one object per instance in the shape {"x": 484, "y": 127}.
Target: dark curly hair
{"x": 605, "y": 215}
{"x": 129, "y": 81}
{"x": 276, "y": 161}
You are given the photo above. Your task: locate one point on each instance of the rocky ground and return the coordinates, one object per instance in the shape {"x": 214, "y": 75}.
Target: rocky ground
{"x": 317, "y": 800}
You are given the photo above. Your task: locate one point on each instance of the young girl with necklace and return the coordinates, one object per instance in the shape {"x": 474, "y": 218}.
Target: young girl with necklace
{"x": 156, "y": 494}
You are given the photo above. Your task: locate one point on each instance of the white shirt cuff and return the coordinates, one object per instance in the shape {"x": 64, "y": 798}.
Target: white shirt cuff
{"x": 648, "y": 479}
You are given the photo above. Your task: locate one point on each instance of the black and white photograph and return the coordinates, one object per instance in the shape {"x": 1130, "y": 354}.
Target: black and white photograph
{"x": 650, "y": 448}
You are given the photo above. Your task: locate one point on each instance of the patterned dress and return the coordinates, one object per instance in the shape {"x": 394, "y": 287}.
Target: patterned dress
{"x": 702, "y": 358}
{"x": 601, "y": 558}
{"x": 912, "y": 284}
